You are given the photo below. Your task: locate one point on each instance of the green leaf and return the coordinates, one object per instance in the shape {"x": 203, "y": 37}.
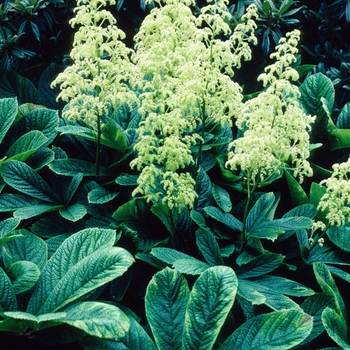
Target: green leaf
{"x": 26, "y": 145}
{"x": 71, "y": 167}
{"x": 328, "y": 286}
{"x": 209, "y": 247}
{"x": 166, "y": 300}
{"x": 339, "y": 235}
{"x": 7, "y": 295}
{"x": 222, "y": 198}
{"x": 336, "y": 327}
{"x": 23, "y": 178}
{"x": 343, "y": 121}
{"x": 8, "y": 112}
{"x": 226, "y": 218}
{"x": 314, "y": 306}
{"x": 101, "y": 195}
{"x": 35, "y": 210}
{"x": 261, "y": 265}
{"x": 73, "y": 212}
{"x": 37, "y": 322}
{"x": 7, "y": 226}
{"x": 113, "y": 137}
{"x": 23, "y": 275}
{"x": 97, "y": 319}
{"x": 77, "y": 130}
{"x": 313, "y": 89}
{"x": 170, "y": 255}
{"x": 203, "y": 189}
{"x": 135, "y": 338}
{"x": 27, "y": 247}
{"x": 190, "y": 266}
{"x": 43, "y": 119}
{"x": 206, "y": 312}
{"x": 261, "y": 210}
{"x": 339, "y": 139}
{"x": 297, "y": 193}
{"x": 69, "y": 191}
{"x": 165, "y": 215}
{"x": 86, "y": 260}
{"x": 271, "y": 229}
{"x": 127, "y": 180}
{"x": 278, "y": 330}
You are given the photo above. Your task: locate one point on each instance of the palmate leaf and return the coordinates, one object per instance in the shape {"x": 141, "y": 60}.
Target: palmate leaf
{"x": 166, "y": 300}
{"x": 22, "y": 178}
{"x": 83, "y": 262}
{"x": 8, "y": 112}
{"x": 278, "y": 330}
{"x": 210, "y": 301}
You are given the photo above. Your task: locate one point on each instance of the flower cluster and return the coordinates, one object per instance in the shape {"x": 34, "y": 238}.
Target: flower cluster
{"x": 274, "y": 127}
{"x": 336, "y": 200}
{"x": 187, "y": 72}
{"x": 102, "y": 72}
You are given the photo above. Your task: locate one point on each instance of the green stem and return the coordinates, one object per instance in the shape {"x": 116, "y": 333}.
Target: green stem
{"x": 250, "y": 191}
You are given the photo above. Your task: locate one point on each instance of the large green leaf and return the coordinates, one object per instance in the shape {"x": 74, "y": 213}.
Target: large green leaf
{"x": 343, "y": 121}
{"x": 222, "y": 198}
{"x": 165, "y": 215}
{"x": 209, "y": 247}
{"x": 71, "y": 167}
{"x": 8, "y": 112}
{"x": 113, "y": 137}
{"x": 36, "y": 322}
{"x": 7, "y": 295}
{"x": 69, "y": 191}
{"x": 336, "y": 327}
{"x": 329, "y": 287}
{"x": 23, "y": 275}
{"x": 24, "y": 179}
{"x": 313, "y": 89}
{"x": 339, "y": 139}
{"x": 73, "y": 212}
{"x": 225, "y": 218}
{"x": 278, "y": 330}
{"x": 166, "y": 300}
{"x": 210, "y": 301}
{"x": 7, "y": 226}
{"x": 261, "y": 265}
{"x": 339, "y": 235}
{"x": 135, "y": 338}
{"x": 26, "y": 145}
{"x": 297, "y": 193}
{"x": 101, "y": 195}
{"x": 314, "y": 306}
{"x": 97, "y": 319}
{"x": 27, "y": 247}
{"x": 43, "y": 119}
{"x": 86, "y": 261}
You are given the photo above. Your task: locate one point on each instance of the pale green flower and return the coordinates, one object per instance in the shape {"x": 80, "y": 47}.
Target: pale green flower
{"x": 275, "y": 128}
{"x": 336, "y": 200}
{"x": 187, "y": 67}
{"x": 102, "y": 73}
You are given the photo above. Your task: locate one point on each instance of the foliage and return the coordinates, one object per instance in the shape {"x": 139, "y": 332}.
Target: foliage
{"x": 163, "y": 209}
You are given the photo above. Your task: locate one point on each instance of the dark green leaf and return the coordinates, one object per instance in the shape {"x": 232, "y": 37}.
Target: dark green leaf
{"x": 8, "y": 112}
{"x": 339, "y": 235}
{"x": 225, "y": 218}
{"x": 113, "y": 137}
{"x": 7, "y": 295}
{"x": 71, "y": 167}
{"x": 336, "y": 327}
{"x": 23, "y": 178}
{"x": 279, "y": 330}
{"x": 73, "y": 212}
{"x": 166, "y": 300}
{"x": 23, "y": 275}
{"x": 209, "y": 247}
{"x": 26, "y": 247}
{"x": 222, "y": 198}
{"x": 101, "y": 195}
{"x": 206, "y": 312}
